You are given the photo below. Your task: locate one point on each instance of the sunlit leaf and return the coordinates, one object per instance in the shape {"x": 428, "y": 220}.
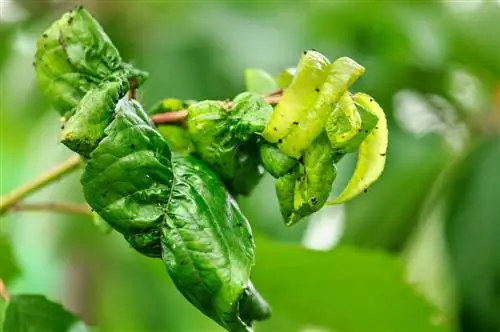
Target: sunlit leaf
{"x": 259, "y": 81}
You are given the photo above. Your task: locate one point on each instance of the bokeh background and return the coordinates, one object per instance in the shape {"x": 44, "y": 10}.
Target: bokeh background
{"x": 402, "y": 257}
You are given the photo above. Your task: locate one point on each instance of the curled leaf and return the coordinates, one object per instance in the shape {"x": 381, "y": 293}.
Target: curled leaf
{"x": 75, "y": 55}
{"x": 306, "y": 188}
{"x": 285, "y": 77}
{"x": 372, "y": 153}
{"x": 249, "y": 115}
{"x": 341, "y": 74}
{"x": 299, "y": 97}
{"x": 274, "y": 161}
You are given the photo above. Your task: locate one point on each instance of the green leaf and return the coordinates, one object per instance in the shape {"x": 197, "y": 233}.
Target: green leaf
{"x": 248, "y": 116}
{"x": 285, "y": 77}
{"x": 177, "y": 138}
{"x": 313, "y": 181}
{"x": 299, "y": 97}
{"x": 176, "y": 208}
{"x": 73, "y": 56}
{"x": 342, "y": 73}
{"x": 372, "y": 153}
{"x": 9, "y": 269}
{"x": 26, "y": 313}
{"x": 275, "y": 161}
{"x": 208, "y": 127}
{"x": 259, "y": 81}
{"x": 472, "y": 230}
{"x": 347, "y": 289}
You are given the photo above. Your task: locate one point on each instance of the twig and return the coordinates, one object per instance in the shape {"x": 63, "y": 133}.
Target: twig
{"x": 82, "y": 209}
{"x": 4, "y": 294}
{"x": 14, "y": 197}
{"x": 179, "y": 116}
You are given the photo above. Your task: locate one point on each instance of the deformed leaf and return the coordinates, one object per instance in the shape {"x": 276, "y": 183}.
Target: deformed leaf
{"x": 27, "y": 313}
{"x": 249, "y": 115}
{"x": 275, "y": 161}
{"x": 174, "y": 207}
{"x": 340, "y": 75}
{"x": 299, "y": 97}
{"x": 285, "y": 77}
{"x": 306, "y": 188}
{"x": 372, "y": 153}
{"x": 259, "y": 81}
{"x": 75, "y": 55}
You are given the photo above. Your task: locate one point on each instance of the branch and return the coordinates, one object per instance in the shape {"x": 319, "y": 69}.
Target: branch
{"x": 4, "y": 294}
{"x": 82, "y": 209}
{"x": 14, "y": 197}
{"x": 179, "y": 116}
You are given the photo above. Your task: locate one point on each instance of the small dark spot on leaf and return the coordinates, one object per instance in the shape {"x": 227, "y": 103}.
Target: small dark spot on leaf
{"x": 359, "y": 130}
{"x": 365, "y": 191}
{"x": 371, "y": 99}
{"x": 305, "y": 52}
{"x": 317, "y": 89}
{"x": 383, "y": 154}
{"x": 314, "y": 200}
{"x": 280, "y": 141}
{"x": 366, "y": 131}
{"x": 70, "y": 20}
{"x": 45, "y": 35}
{"x": 275, "y": 129}
{"x": 295, "y": 123}
{"x": 239, "y": 224}
{"x": 132, "y": 146}
{"x": 312, "y": 49}
{"x": 62, "y": 126}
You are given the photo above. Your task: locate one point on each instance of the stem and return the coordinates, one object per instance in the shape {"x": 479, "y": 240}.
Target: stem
{"x": 82, "y": 209}
{"x": 12, "y": 198}
{"x": 4, "y": 294}
{"x": 179, "y": 116}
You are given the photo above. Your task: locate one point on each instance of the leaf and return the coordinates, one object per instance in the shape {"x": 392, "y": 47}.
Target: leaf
{"x": 73, "y": 56}
{"x": 372, "y": 153}
{"x": 472, "y": 229}
{"x": 176, "y": 208}
{"x": 259, "y": 81}
{"x": 313, "y": 182}
{"x": 342, "y": 73}
{"x": 249, "y": 115}
{"x": 285, "y": 77}
{"x": 9, "y": 268}
{"x": 85, "y": 128}
{"x": 299, "y": 97}
{"x": 177, "y": 138}
{"x": 26, "y": 313}
{"x": 274, "y": 161}
{"x": 347, "y": 289}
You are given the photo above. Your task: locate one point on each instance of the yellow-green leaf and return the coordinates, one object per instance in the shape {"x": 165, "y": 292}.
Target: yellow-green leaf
{"x": 372, "y": 153}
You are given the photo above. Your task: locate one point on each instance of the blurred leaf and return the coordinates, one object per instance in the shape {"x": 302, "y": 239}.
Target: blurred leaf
{"x": 472, "y": 231}
{"x": 259, "y": 81}
{"x": 8, "y": 265}
{"x": 28, "y": 313}
{"x": 347, "y": 289}
{"x": 371, "y": 221}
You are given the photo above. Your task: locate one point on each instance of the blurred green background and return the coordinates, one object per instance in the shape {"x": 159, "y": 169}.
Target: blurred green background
{"x": 418, "y": 252}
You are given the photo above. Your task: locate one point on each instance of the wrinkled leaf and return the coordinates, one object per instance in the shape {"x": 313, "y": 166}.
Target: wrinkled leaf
{"x": 249, "y": 115}
{"x": 259, "y": 81}
{"x": 27, "y": 313}
{"x": 372, "y": 153}
{"x": 342, "y": 73}
{"x": 307, "y": 187}
{"x": 299, "y": 97}
{"x": 176, "y": 208}
{"x": 75, "y": 55}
